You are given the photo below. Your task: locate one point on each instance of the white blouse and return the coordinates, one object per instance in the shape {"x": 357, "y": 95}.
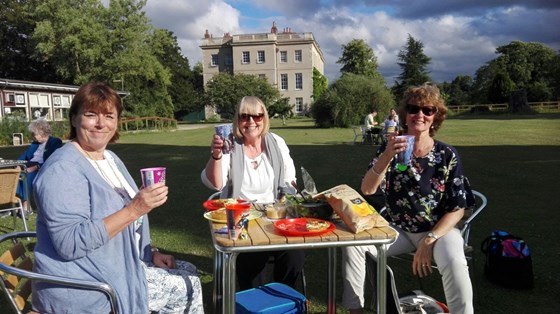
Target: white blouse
{"x": 257, "y": 181}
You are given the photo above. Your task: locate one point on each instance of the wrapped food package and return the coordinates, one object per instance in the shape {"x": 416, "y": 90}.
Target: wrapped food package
{"x": 356, "y": 213}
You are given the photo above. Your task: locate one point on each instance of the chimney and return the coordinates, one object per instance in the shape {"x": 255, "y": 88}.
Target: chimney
{"x": 274, "y": 29}
{"x": 206, "y": 35}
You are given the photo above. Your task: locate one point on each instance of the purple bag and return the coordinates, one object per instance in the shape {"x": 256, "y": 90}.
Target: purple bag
{"x": 508, "y": 260}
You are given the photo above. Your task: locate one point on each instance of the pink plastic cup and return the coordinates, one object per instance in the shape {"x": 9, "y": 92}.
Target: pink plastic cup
{"x": 152, "y": 175}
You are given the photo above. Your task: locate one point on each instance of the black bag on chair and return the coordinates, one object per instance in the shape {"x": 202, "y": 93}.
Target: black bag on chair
{"x": 508, "y": 261}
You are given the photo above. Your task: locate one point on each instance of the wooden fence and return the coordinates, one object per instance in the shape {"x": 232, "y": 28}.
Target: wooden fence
{"x": 147, "y": 123}
{"x": 539, "y": 106}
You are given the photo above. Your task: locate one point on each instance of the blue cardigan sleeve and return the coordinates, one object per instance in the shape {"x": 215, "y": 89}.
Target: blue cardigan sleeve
{"x": 71, "y": 209}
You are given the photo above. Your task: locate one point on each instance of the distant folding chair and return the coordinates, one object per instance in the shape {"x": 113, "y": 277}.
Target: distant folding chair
{"x": 16, "y": 272}
{"x": 9, "y": 202}
{"x": 363, "y": 134}
{"x": 358, "y": 134}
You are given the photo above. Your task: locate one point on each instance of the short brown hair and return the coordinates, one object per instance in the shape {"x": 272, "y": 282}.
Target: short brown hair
{"x": 98, "y": 97}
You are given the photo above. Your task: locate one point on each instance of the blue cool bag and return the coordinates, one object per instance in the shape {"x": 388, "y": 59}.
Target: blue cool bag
{"x": 508, "y": 260}
{"x": 272, "y": 298}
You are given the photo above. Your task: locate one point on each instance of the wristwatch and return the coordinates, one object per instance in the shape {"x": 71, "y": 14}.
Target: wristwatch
{"x": 154, "y": 249}
{"x": 433, "y": 235}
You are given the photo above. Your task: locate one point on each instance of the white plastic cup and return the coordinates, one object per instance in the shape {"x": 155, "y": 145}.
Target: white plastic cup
{"x": 404, "y": 157}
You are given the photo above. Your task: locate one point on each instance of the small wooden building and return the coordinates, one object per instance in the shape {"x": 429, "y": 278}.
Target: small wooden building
{"x": 28, "y": 100}
{"x": 31, "y": 100}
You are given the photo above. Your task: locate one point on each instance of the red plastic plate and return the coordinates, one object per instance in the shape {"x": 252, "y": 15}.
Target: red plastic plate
{"x": 211, "y": 205}
{"x": 297, "y": 227}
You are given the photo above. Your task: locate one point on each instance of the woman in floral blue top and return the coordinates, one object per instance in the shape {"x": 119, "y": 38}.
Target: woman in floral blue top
{"x": 424, "y": 203}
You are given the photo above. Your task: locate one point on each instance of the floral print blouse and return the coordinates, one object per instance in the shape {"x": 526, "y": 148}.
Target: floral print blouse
{"x": 431, "y": 186}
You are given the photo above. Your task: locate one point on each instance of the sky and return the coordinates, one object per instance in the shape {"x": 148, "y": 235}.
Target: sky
{"x": 459, "y": 36}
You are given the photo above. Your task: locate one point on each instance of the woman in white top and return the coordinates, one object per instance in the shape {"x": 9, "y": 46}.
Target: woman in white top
{"x": 258, "y": 168}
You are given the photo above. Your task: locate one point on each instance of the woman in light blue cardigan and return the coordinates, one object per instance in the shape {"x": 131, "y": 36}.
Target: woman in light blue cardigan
{"x": 92, "y": 222}
{"x": 73, "y": 241}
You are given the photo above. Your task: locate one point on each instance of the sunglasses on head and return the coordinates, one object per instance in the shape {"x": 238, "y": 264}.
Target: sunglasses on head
{"x": 427, "y": 111}
{"x": 246, "y": 117}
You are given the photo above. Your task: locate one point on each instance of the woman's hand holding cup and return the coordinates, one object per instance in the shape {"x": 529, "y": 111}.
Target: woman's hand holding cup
{"x": 217, "y": 145}
{"x": 149, "y": 198}
{"x": 395, "y": 144}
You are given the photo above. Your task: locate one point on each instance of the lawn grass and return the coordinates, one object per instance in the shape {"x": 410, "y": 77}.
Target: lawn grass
{"x": 513, "y": 160}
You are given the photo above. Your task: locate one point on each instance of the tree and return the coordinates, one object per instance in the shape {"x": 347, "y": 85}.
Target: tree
{"x": 16, "y": 56}
{"x": 528, "y": 66}
{"x": 184, "y": 94}
{"x": 224, "y": 91}
{"x": 349, "y": 99}
{"x": 84, "y": 41}
{"x": 320, "y": 84}
{"x": 282, "y": 108}
{"x": 135, "y": 47}
{"x": 72, "y": 37}
{"x": 358, "y": 58}
{"x": 458, "y": 91}
{"x": 413, "y": 63}
{"x": 502, "y": 85}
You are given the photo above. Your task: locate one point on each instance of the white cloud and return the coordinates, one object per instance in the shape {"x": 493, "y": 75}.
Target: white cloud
{"x": 460, "y": 38}
{"x": 188, "y": 20}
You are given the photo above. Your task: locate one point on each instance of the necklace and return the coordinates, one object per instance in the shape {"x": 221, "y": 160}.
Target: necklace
{"x": 117, "y": 185}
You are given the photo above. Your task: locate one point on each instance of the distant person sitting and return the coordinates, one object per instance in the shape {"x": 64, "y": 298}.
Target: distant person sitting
{"x": 370, "y": 122}
{"x": 372, "y": 129}
{"x": 43, "y": 145}
{"x": 391, "y": 124}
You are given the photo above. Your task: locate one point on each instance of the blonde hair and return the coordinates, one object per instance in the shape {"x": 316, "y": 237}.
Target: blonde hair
{"x": 250, "y": 105}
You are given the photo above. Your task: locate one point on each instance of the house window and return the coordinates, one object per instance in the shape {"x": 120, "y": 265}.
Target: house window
{"x": 283, "y": 81}
{"x": 283, "y": 56}
{"x": 262, "y": 76}
{"x": 20, "y": 100}
{"x": 56, "y": 101}
{"x": 299, "y": 81}
{"x": 214, "y": 62}
{"x": 297, "y": 56}
{"x": 299, "y": 105}
{"x": 66, "y": 101}
{"x": 260, "y": 56}
{"x": 10, "y": 99}
{"x": 246, "y": 58}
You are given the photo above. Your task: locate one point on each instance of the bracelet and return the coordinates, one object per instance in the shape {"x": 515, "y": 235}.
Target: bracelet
{"x": 218, "y": 158}
{"x": 154, "y": 249}
{"x": 375, "y": 172}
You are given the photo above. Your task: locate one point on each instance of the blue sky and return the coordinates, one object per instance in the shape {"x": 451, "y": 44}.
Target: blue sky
{"x": 460, "y": 36}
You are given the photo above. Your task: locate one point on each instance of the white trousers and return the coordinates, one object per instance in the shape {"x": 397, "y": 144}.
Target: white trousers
{"x": 448, "y": 254}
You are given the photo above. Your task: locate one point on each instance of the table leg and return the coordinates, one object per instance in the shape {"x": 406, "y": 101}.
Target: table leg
{"x": 27, "y": 199}
{"x": 381, "y": 279}
{"x": 331, "y": 299}
{"x": 27, "y": 195}
{"x": 229, "y": 280}
{"x": 218, "y": 282}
